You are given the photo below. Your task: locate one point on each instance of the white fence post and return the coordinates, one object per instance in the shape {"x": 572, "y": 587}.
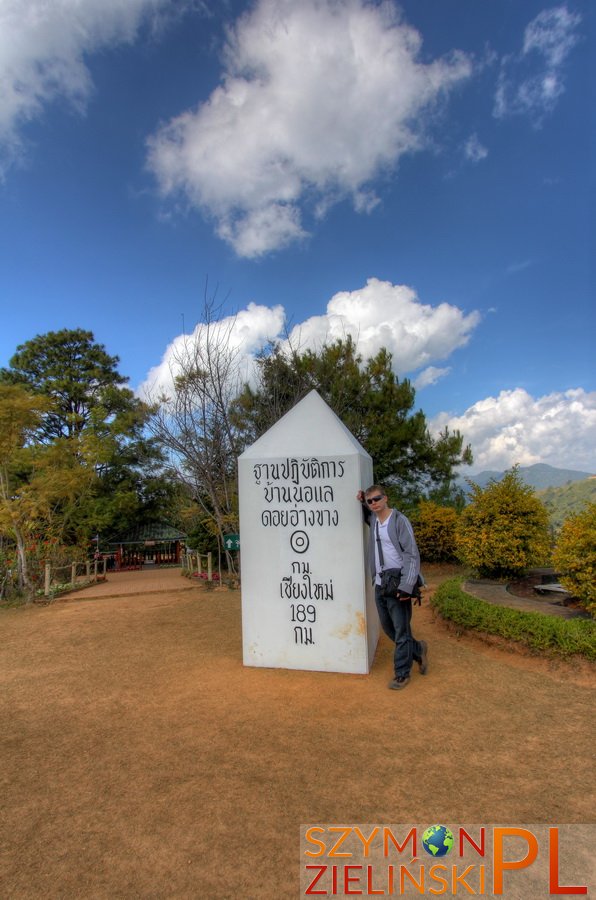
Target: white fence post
{"x": 47, "y": 579}
{"x": 73, "y": 574}
{"x": 209, "y": 567}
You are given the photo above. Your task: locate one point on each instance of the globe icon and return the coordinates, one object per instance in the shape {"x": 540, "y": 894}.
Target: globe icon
{"x": 438, "y": 840}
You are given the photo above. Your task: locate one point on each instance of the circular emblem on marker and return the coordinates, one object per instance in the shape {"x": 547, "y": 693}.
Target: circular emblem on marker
{"x": 299, "y": 542}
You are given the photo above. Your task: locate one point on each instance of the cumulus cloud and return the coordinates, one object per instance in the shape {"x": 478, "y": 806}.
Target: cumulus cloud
{"x": 559, "y": 429}
{"x": 317, "y": 99}
{"x": 531, "y": 82}
{"x": 388, "y": 315}
{"x": 378, "y": 315}
{"x": 42, "y": 50}
{"x": 244, "y": 334}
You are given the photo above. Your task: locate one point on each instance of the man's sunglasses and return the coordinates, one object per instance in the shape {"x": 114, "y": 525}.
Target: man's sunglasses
{"x": 371, "y": 500}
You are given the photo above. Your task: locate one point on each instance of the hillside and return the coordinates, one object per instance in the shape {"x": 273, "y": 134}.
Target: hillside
{"x": 562, "y": 502}
{"x": 563, "y": 491}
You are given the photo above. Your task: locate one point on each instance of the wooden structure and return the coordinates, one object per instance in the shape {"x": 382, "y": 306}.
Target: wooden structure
{"x": 156, "y": 544}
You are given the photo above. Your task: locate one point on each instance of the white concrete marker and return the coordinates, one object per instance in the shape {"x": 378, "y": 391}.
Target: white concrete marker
{"x": 307, "y": 600}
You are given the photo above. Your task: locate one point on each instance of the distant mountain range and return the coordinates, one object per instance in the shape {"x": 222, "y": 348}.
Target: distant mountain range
{"x": 539, "y": 476}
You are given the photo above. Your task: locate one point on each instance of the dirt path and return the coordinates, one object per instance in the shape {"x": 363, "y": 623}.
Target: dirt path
{"x": 140, "y": 759}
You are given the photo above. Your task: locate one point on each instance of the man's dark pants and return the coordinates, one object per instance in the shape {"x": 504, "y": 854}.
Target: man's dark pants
{"x": 396, "y": 617}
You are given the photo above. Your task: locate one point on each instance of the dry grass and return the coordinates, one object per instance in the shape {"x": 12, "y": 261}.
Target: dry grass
{"x": 141, "y": 759}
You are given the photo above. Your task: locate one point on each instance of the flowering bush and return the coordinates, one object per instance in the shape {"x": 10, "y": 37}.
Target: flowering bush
{"x": 504, "y": 529}
{"x": 575, "y": 556}
{"x": 49, "y": 549}
{"x": 434, "y": 528}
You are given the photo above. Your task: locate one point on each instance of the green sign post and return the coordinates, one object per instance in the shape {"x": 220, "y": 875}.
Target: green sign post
{"x": 232, "y": 541}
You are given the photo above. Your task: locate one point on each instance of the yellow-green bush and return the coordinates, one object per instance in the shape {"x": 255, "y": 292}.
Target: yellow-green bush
{"x": 434, "y": 527}
{"x": 504, "y": 529}
{"x": 575, "y": 556}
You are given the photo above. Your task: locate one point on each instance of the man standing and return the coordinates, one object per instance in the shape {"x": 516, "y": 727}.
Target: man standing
{"x": 393, "y": 546}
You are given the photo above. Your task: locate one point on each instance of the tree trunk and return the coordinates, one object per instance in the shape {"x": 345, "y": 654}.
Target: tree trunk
{"x": 24, "y": 581}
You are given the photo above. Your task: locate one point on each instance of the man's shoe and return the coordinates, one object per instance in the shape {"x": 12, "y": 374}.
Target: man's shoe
{"x": 399, "y": 682}
{"x": 423, "y": 664}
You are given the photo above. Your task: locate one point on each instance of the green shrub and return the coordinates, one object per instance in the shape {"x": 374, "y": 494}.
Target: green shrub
{"x": 538, "y": 632}
{"x": 434, "y": 527}
{"x": 504, "y": 529}
{"x": 575, "y": 556}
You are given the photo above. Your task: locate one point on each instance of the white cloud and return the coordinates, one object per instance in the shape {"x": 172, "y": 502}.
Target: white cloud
{"x": 388, "y": 315}
{"x": 244, "y": 334}
{"x": 474, "y": 151}
{"x": 514, "y": 427}
{"x": 559, "y": 429}
{"x": 317, "y": 99}
{"x": 531, "y": 82}
{"x": 42, "y": 50}
{"x": 429, "y": 376}
{"x": 378, "y": 315}
{"x": 552, "y": 34}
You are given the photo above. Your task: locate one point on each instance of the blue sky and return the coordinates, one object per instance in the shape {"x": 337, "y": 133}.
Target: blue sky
{"x": 415, "y": 175}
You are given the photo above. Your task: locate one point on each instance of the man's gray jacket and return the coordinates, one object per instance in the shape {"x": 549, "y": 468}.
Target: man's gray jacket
{"x": 402, "y": 537}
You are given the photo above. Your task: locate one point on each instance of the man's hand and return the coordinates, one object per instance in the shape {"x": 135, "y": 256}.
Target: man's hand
{"x": 403, "y": 595}
{"x": 360, "y": 496}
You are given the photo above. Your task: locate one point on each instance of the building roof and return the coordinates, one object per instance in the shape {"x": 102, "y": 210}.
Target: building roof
{"x": 156, "y": 531}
